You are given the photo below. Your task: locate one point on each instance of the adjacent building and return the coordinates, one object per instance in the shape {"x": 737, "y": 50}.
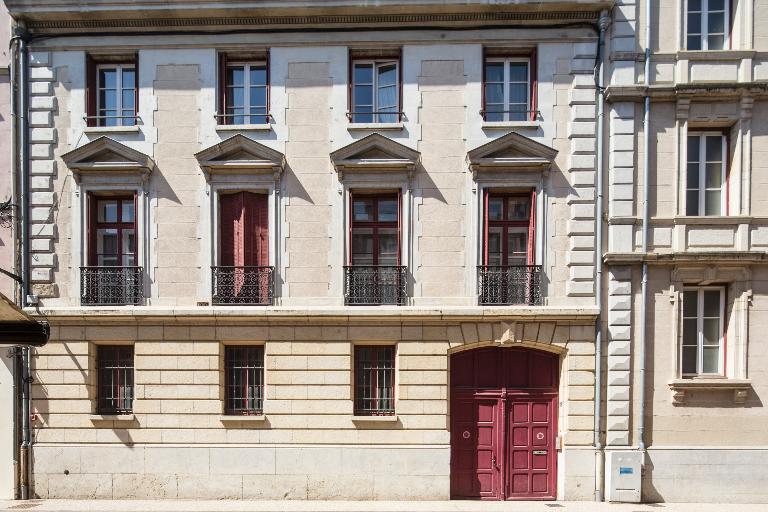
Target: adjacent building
{"x": 312, "y": 250}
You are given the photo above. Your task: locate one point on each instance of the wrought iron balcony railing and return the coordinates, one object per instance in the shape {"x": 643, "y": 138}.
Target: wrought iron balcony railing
{"x": 246, "y": 286}
{"x": 111, "y": 286}
{"x": 509, "y": 285}
{"x": 375, "y": 285}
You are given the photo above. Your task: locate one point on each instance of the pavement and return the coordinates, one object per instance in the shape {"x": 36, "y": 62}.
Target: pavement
{"x": 355, "y": 506}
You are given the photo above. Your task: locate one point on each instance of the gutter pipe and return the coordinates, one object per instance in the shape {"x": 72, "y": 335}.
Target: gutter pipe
{"x": 603, "y": 23}
{"x": 644, "y": 290}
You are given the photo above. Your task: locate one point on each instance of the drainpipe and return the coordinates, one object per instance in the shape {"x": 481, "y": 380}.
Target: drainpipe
{"x": 23, "y": 154}
{"x": 25, "y": 426}
{"x": 644, "y": 289}
{"x": 603, "y": 23}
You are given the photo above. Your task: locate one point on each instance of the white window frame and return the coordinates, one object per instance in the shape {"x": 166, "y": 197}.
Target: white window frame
{"x": 119, "y": 68}
{"x": 247, "y": 65}
{"x": 376, "y": 64}
{"x": 507, "y": 84}
{"x": 700, "y": 332}
{"x": 702, "y": 136}
{"x": 704, "y": 36}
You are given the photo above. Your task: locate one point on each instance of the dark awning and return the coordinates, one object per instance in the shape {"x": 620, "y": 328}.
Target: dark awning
{"x": 18, "y": 328}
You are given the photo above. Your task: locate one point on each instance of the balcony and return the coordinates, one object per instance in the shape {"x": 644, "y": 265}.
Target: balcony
{"x": 111, "y": 286}
{"x": 244, "y": 286}
{"x": 368, "y": 285}
{"x": 509, "y": 285}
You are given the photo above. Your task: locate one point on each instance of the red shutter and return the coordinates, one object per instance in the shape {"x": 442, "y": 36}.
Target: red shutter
{"x": 136, "y": 88}
{"x": 91, "y": 228}
{"x": 231, "y": 224}
{"x": 90, "y": 91}
{"x": 255, "y": 229}
{"x": 532, "y": 231}
{"x": 485, "y": 226}
{"x": 482, "y": 87}
{"x": 534, "y": 85}
{"x": 399, "y": 224}
{"x": 222, "y": 89}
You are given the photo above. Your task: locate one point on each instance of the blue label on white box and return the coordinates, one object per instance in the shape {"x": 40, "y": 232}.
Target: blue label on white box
{"x": 626, "y": 471}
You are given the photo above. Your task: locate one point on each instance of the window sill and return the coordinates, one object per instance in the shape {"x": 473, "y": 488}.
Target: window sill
{"x": 375, "y": 126}
{"x": 112, "y": 129}
{"x": 234, "y": 418}
{"x": 727, "y": 54}
{"x": 375, "y": 419}
{"x": 680, "y": 387}
{"x": 502, "y": 125}
{"x": 240, "y": 127}
{"x": 113, "y": 417}
{"x": 712, "y": 219}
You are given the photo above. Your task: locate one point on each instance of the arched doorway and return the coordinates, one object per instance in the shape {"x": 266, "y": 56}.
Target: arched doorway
{"x": 504, "y": 424}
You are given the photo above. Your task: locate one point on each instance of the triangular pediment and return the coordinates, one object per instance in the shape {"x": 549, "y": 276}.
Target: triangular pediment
{"x": 105, "y": 155}
{"x": 240, "y": 154}
{"x": 376, "y": 153}
{"x": 513, "y": 151}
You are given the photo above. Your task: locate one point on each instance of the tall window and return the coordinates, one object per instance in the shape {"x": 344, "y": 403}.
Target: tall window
{"x": 375, "y": 91}
{"x": 244, "y": 91}
{"x": 707, "y": 25}
{"x": 112, "y": 93}
{"x": 112, "y": 231}
{"x": 508, "y": 89}
{"x": 509, "y": 231}
{"x": 243, "y": 274}
{"x": 706, "y": 174}
{"x": 376, "y": 229}
{"x": 244, "y": 376}
{"x": 115, "y": 376}
{"x": 703, "y": 329}
{"x": 374, "y": 380}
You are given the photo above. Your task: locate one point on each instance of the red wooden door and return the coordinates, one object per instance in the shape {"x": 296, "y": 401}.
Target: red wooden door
{"x": 244, "y": 230}
{"x": 503, "y": 424}
{"x": 530, "y": 458}
{"x": 476, "y": 441}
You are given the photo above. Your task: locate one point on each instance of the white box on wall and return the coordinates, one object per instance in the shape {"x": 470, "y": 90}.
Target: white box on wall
{"x": 623, "y": 476}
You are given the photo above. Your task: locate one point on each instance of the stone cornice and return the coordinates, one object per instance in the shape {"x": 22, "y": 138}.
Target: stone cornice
{"x": 677, "y": 258}
{"x": 311, "y": 21}
{"x": 281, "y": 314}
{"x": 671, "y": 92}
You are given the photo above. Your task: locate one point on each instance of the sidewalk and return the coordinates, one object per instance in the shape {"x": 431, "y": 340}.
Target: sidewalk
{"x": 355, "y": 506}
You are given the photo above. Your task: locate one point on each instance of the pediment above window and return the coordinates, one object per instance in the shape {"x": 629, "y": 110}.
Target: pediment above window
{"x": 240, "y": 155}
{"x": 512, "y": 152}
{"x": 106, "y": 157}
{"x": 375, "y": 153}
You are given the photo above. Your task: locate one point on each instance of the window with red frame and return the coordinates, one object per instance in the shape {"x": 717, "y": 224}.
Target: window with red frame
{"x": 244, "y": 379}
{"x": 509, "y": 88}
{"x": 509, "y": 229}
{"x": 374, "y": 380}
{"x": 112, "y": 91}
{"x": 243, "y": 90}
{"x": 115, "y": 376}
{"x": 375, "y": 229}
{"x": 112, "y": 231}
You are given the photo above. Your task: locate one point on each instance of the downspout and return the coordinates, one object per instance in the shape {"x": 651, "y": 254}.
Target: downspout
{"x": 603, "y": 23}
{"x": 644, "y": 285}
{"x": 25, "y": 426}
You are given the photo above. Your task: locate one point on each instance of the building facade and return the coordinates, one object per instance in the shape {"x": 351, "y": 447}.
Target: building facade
{"x": 701, "y": 358}
{"x": 333, "y": 252}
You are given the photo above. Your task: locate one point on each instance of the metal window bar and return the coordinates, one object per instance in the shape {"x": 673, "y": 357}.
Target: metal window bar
{"x": 111, "y": 286}
{"x": 244, "y": 285}
{"x": 375, "y": 285}
{"x": 374, "y": 380}
{"x": 244, "y": 389}
{"x": 268, "y": 118}
{"x": 537, "y": 113}
{"x": 509, "y": 285}
{"x": 115, "y": 368}
{"x": 351, "y": 115}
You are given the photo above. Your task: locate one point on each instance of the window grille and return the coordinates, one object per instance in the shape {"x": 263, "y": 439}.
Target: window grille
{"x": 244, "y": 388}
{"x": 115, "y": 374}
{"x": 374, "y": 380}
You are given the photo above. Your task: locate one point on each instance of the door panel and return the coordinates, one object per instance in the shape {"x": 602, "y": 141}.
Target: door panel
{"x": 531, "y": 455}
{"x": 475, "y": 436}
